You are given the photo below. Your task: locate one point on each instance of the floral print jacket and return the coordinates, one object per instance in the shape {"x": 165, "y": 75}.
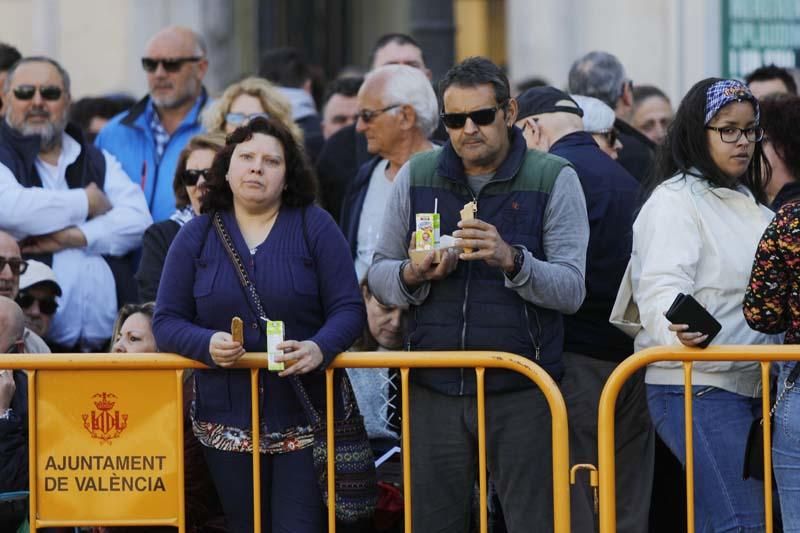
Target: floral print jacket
{"x": 772, "y": 300}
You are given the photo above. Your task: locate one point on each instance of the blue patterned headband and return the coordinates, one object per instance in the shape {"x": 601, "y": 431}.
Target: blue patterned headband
{"x": 723, "y": 93}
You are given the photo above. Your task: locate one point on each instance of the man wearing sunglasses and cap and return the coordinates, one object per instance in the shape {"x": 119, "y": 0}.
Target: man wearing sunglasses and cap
{"x": 12, "y": 266}
{"x": 551, "y": 122}
{"x": 69, "y": 204}
{"x": 38, "y": 290}
{"x": 148, "y": 138}
{"x": 519, "y": 265}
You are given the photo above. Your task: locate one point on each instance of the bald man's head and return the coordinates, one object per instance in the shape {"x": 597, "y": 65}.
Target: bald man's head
{"x": 9, "y": 275}
{"x": 12, "y": 325}
{"x": 175, "y": 62}
{"x": 178, "y": 40}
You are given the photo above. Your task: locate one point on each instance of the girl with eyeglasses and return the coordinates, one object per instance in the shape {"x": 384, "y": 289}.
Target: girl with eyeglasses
{"x": 696, "y": 234}
{"x": 770, "y": 303}
{"x": 189, "y": 186}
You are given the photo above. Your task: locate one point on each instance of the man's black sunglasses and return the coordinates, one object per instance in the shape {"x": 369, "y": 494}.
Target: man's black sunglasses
{"x": 480, "y": 117}
{"x": 47, "y": 92}
{"x": 172, "y": 64}
{"x": 191, "y": 177}
{"x": 47, "y": 306}
{"x": 17, "y": 265}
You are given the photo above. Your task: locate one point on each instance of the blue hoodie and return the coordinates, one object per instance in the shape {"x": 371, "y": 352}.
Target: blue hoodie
{"x": 129, "y": 138}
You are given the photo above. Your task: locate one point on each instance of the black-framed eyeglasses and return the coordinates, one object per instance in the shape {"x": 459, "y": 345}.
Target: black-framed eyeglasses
{"x": 367, "y": 115}
{"x": 47, "y": 306}
{"x": 18, "y": 266}
{"x": 51, "y": 93}
{"x": 170, "y": 64}
{"x": 732, "y": 134}
{"x": 190, "y": 177}
{"x": 237, "y": 119}
{"x": 480, "y": 117}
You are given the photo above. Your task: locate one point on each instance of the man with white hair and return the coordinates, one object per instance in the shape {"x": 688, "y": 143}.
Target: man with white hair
{"x": 345, "y": 151}
{"x": 148, "y": 138}
{"x": 397, "y": 112}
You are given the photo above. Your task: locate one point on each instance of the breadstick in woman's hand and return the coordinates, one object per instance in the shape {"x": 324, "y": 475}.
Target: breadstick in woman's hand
{"x": 237, "y": 330}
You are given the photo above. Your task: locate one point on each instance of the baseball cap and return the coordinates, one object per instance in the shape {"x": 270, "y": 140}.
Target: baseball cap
{"x": 36, "y": 273}
{"x": 598, "y": 117}
{"x": 540, "y": 100}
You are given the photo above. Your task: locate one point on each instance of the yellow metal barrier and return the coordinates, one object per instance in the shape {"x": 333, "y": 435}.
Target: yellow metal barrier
{"x": 49, "y": 369}
{"x": 255, "y": 361}
{"x": 764, "y": 354}
{"x": 480, "y": 361}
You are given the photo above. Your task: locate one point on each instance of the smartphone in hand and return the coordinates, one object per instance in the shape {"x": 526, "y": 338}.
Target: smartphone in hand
{"x": 686, "y": 310}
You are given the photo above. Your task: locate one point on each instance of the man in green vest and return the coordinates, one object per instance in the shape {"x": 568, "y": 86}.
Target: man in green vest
{"x": 515, "y": 267}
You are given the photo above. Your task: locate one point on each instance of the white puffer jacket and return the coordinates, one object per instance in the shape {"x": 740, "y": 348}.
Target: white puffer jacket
{"x": 694, "y": 239}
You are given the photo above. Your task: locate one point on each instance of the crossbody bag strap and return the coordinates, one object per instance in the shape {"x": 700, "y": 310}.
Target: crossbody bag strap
{"x": 314, "y": 417}
{"x": 247, "y": 285}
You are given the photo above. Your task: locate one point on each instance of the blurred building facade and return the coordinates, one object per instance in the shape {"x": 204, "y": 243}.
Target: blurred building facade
{"x": 668, "y": 43}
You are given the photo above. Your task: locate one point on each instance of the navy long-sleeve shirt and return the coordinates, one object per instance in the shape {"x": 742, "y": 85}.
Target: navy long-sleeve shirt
{"x": 308, "y": 283}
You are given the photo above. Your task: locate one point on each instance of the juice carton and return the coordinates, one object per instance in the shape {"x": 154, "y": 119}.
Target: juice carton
{"x": 274, "y": 337}
{"x": 427, "y": 234}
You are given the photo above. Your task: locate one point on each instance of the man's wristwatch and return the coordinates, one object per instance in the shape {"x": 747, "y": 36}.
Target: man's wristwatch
{"x": 5, "y": 415}
{"x": 519, "y": 260}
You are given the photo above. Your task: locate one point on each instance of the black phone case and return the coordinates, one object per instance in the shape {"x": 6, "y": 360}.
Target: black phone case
{"x": 686, "y": 310}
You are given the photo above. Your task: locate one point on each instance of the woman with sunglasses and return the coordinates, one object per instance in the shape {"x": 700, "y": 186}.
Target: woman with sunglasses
{"x": 245, "y": 100}
{"x": 770, "y": 303}
{"x": 189, "y": 186}
{"x": 696, "y": 234}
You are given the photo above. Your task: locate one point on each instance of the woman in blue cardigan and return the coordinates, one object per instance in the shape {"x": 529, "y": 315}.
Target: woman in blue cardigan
{"x": 262, "y": 188}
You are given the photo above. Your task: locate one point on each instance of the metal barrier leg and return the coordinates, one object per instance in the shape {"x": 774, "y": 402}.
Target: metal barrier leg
{"x": 255, "y": 423}
{"x": 406, "y": 429}
{"x": 32, "y": 423}
{"x": 331, "y": 451}
{"x": 181, "y": 465}
{"x": 765, "y": 410}
{"x": 484, "y": 519}
{"x": 687, "y": 408}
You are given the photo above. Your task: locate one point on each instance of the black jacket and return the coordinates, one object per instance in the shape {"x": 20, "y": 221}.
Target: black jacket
{"x": 14, "y": 439}
{"x": 638, "y": 152}
{"x": 790, "y": 191}
{"x": 155, "y": 245}
{"x": 338, "y": 163}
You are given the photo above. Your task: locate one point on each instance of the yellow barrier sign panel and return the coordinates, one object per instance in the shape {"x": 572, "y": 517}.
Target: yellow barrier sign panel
{"x": 108, "y": 445}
